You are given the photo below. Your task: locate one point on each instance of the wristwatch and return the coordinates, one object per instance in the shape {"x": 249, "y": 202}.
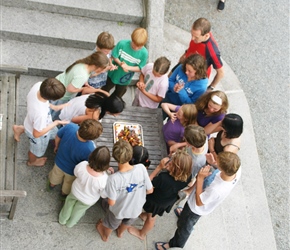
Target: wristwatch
{"x": 210, "y": 87}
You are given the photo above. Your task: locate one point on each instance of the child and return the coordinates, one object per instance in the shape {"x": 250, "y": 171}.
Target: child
{"x": 188, "y": 81}
{"x": 105, "y": 43}
{"x": 73, "y": 144}
{"x": 91, "y": 179}
{"x": 212, "y": 107}
{"x": 93, "y": 106}
{"x": 166, "y": 186}
{"x": 181, "y": 116}
{"x": 229, "y": 138}
{"x": 197, "y": 146}
{"x": 204, "y": 199}
{"x": 131, "y": 57}
{"x": 77, "y": 74}
{"x": 140, "y": 155}
{"x": 153, "y": 84}
{"x": 38, "y": 125}
{"x": 126, "y": 191}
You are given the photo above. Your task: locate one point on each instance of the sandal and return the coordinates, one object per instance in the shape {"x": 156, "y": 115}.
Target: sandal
{"x": 161, "y": 244}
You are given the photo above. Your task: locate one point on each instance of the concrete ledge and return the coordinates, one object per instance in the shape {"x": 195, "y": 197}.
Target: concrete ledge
{"x": 111, "y": 10}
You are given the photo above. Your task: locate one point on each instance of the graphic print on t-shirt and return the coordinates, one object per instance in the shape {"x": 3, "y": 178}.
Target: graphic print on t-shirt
{"x": 131, "y": 187}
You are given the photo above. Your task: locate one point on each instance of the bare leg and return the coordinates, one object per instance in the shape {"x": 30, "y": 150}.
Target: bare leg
{"x": 34, "y": 161}
{"x": 149, "y": 224}
{"x": 121, "y": 229}
{"x": 18, "y": 130}
{"x": 103, "y": 231}
{"x": 143, "y": 216}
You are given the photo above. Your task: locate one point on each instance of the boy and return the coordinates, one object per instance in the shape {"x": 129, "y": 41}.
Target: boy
{"x": 131, "y": 57}
{"x": 126, "y": 191}
{"x": 73, "y": 144}
{"x": 205, "y": 198}
{"x": 153, "y": 84}
{"x": 38, "y": 125}
{"x": 105, "y": 43}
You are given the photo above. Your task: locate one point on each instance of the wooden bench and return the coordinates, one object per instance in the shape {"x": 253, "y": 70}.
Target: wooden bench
{"x": 151, "y": 122}
{"x": 9, "y": 77}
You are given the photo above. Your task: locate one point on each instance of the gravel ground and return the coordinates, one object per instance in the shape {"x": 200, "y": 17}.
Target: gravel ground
{"x": 253, "y": 37}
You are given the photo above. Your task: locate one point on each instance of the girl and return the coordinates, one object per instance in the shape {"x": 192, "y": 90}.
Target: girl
{"x": 212, "y": 108}
{"x": 180, "y": 117}
{"x": 87, "y": 187}
{"x": 166, "y": 186}
{"x": 93, "y": 106}
{"x": 188, "y": 81}
{"x": 229, "y": 138}
{"x": 140, "y": 155}
{"x": 153, "y": 84}
{"x": 77, "y": 74}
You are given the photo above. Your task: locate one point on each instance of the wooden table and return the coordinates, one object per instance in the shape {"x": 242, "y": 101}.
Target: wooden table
{"x": 150, "y": 120}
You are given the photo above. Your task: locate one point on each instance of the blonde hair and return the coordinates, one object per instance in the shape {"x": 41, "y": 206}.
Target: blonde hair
{"x": 139, "y": 37}
{"x": 203, "y": 101}
{"x": 228, "y": 162}
{"x": 122, "y": 151}
{"x": 181, "y": 165}
{"x": 189, "y": 114}
{"x": 105, "y": 41}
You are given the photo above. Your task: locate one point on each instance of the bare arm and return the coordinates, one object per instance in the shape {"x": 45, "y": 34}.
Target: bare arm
{"x": 219, "y": 75}
{"x": 204, "y": 172}
{"x": 212, "y": 128}
{"x": 38, "y": 134}
{"x": 176, "y": 146}
{"x": 167, "y": 108}
{"x": 56, "y": 141}
{"x": 162, "y": 165}
{"x": 126, "y": 67}
{"x": 111, "y": 202}
{"x": 70, "y": 88}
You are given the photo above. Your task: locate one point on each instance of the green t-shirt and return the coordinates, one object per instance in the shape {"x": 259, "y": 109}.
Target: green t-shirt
{"x": 77, "y": 76}
{"x": 124, "y": 52}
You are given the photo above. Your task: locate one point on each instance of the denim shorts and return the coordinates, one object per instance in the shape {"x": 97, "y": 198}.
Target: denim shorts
{"x": 38, "y": 145}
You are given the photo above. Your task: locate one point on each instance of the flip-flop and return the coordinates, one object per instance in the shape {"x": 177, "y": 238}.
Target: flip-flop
{"x": 160, "y": 244}
{"x": 176, "y": 212}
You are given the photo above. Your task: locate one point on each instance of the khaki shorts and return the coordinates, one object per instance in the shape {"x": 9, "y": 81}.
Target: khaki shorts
{"x": 57, "y": 176}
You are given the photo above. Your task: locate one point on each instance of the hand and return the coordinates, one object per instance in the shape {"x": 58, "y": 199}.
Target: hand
{"x": 113, "y": 67}
{"x": 64, "y": 122}
{"x": 140, "y": 85}
{"x": 164, "y": 163}
{"x": 210, "y": 159}
{"x": 173, "y": 117}
{"x": 204, "y": 172}
{"x": 124, "y": 66}
{"x": 55, "y": 149}
{"x": 173, "y": 148}
{"x": 110, "y": 170}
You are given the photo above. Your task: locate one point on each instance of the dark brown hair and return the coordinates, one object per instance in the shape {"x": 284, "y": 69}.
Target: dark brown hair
{"x": 52, "y": 89}
{"x": 99, "y": 159}
{"x": 195, "y": 135}
{"x": 161, "y": 65}
{"x": 90, "y": 129}
{"x": 199, "y": 65}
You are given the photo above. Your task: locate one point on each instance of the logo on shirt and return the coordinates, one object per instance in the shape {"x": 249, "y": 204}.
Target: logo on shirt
{"x": 131, "y": 187}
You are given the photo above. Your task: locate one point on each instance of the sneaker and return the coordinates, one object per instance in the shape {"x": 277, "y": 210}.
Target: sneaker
{"x": 48, "y": 186}
{"x": 221, "y": 6}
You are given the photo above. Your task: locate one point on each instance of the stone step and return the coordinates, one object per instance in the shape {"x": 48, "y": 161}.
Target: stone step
{"x": 57, "y": 29}
{"x": 132, "y": 11}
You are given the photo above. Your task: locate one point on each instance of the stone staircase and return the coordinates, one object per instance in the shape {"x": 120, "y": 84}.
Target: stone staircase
{"x": 46, "y": 36}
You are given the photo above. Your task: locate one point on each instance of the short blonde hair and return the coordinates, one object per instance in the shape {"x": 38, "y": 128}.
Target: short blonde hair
{"x": 122, "y": 151}
{"x": 228, "y": 162}
{"x": 139, "y": 37}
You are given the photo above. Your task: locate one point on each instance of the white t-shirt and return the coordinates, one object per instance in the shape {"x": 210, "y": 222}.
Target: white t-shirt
{"x": 87, "y": 188}
{"x": 154, "y": 85}
{"x": 213, "y": 195}
{"x": 38, "y": 113}
{"x": 76, "y": 107}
